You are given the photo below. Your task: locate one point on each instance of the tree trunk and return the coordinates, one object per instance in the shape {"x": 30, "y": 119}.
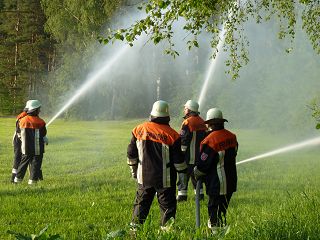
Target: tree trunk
{"x": 16, "y": 56}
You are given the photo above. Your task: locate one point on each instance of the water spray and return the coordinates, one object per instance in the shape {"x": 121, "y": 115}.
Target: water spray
{"x": 293, "y": 147}
{"x": 90, "y": 82}
{"x": 211, "y": 68}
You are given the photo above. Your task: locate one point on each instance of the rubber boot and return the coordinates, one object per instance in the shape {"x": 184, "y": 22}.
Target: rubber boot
{"x": 13, "y": 175}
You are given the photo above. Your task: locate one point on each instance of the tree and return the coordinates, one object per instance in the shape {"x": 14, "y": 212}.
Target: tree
{"x": 24, "y": 51}
{"x": 75, "y": 25}
{"x": 213, "y": 15}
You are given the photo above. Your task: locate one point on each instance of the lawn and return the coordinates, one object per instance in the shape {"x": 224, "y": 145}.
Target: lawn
{"x": 87, "y": 192}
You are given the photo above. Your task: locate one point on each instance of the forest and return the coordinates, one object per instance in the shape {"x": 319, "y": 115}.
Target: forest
{"x": 49, "y": 48}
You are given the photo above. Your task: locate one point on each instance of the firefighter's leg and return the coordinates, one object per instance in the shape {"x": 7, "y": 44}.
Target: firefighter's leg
{"x": 16, "y": 158}
{"x": 40, "y": 174}
{"x": 142, "y": 204}
{"x": 213, "y": 208}
{"x": 224, "y": 203}
{"x": 167, "y": 203}
{"x": 183, "y": 184}
{"x": 35, "y": 168}
{"x": 22, "y": 168}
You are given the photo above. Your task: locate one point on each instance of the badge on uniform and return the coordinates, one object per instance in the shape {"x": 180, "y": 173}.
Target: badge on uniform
{"x": 204, "y": 156}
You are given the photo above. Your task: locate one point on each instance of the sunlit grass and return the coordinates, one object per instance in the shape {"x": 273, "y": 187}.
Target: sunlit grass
{"x": 87, "y": 192}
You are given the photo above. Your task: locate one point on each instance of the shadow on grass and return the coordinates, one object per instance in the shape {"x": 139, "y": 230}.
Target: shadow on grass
{"x": 94, "y": 185}
{"x": 61, "y": 139}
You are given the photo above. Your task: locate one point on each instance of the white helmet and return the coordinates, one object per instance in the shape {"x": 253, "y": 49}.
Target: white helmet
{"x": 215, "y": 115}
{"x": 160, "y": 109}
{"x": 192, "y": 105}
{"x": 33, "y": 105}
{"x": 27, "y": 105}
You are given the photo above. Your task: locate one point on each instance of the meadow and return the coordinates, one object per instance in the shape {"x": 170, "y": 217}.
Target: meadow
{"x": 88, "y": 193}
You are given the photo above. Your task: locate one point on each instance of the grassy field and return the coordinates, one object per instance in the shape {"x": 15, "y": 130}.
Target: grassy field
{"x": 87, "y": 192}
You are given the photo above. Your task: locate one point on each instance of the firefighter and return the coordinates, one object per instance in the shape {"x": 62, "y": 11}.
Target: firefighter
{"x": 192, "y": 132}
{"x": 33, "y": 131}
{"x": 217, "y": 164}
{"x": 154, "y": 156}
{"x": 16, "y": 143}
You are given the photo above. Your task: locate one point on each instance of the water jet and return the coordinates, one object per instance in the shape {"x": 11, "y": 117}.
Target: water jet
{"x": 292, "y": 147}
{"x": 211, "y": 68}
{"x": 90, "y": 82}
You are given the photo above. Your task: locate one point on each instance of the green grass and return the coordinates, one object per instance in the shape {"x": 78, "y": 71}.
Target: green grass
{"x": 87, "y": 192}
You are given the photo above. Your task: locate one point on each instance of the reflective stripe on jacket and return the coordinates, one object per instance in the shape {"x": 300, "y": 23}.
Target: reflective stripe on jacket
{"x": 157, "y": 148}
{"x": 16, "y": 136}
{"x": 218, "y": 160}
{"x": 192, "y": 132}
{"x": 32, "y": 129}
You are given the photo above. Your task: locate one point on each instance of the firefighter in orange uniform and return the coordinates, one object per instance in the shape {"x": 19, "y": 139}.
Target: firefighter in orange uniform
{"x": 192, "y": 132}
{"x": 16, "y": 143}
{"x": 33, "y": 136}
{"x": 154, "y": 156}
{"x": 217, "y": 165}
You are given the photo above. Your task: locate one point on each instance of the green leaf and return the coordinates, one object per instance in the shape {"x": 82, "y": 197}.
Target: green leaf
{"x": 148, "y": 8}
{"x": 118, "y": 36}
{"x": 19, "y": 236}
{"x": 43, "y": 230}
{"x": 157, "y": 39}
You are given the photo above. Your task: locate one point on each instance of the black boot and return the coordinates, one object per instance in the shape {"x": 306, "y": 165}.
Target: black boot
{"x": 13, "y": 175}
{"x": 40, "y": 175}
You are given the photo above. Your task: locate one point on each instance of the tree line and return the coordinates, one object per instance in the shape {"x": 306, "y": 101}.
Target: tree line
{"x": 40, "y": 40}
{"x": 47, "y": 47}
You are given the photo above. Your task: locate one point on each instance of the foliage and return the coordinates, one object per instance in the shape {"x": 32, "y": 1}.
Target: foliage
{"x": 25, "y": 53}
{"x": 40, "y": 236}
{"x": 75, "y": 25}
{"x": 274, "y": 89}
{"x": 315, "y": 107}
{"x": 213, "y": 16}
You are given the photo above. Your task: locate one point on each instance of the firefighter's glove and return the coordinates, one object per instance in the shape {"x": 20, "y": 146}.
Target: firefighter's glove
{"x": 198, "y": 174}
{"x": 45, "y": 140}
{"x": 134, "y": 169}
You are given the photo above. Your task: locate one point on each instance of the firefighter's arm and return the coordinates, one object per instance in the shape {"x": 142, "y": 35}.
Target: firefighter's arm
{"x": 46, "y": 140}
{"x": 14, "y": 135}
{"x": 186, "y": 137}
{"x": 202, "y": 165}
{"x": 132, "y": 157}
{"x": 177, "y": 156}
{"x": 44, "y": 134}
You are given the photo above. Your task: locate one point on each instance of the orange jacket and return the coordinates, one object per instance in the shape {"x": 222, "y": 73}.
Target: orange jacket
{"x": 217, "y": 159}
{"x": 155, "y": 147}
{"x": 192, "y": 132}
{"x": 32, "y": 129}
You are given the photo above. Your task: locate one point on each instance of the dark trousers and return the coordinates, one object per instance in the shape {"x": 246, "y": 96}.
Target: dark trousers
{"x": 217, "y": 209}
{"x": 144, "y": 197}
{"x": 183, "y": 184}
{"x": 35, "y": 163}
{"x": 17, "y": 153}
